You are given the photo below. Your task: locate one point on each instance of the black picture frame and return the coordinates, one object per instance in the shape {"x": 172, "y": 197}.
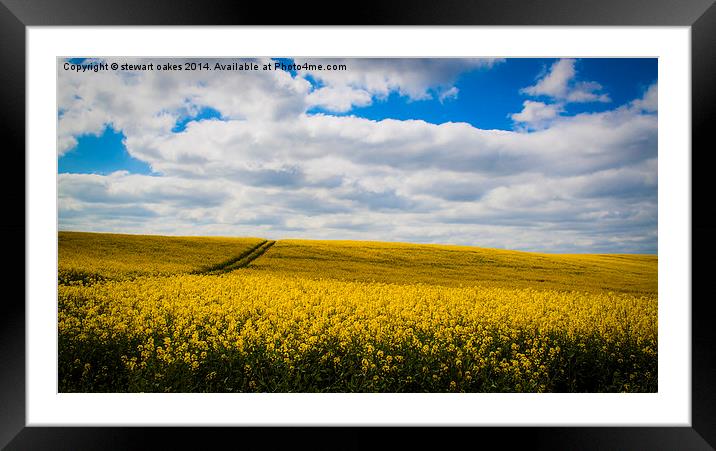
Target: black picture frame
{"x": 16, "y": 15}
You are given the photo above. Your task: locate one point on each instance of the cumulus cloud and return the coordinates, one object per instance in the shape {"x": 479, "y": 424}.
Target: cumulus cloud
{"x": 649, "y": 102}
{"x": 339, "y": 99}
{"x": 414, "y": 78}
{"x": 267, "y": 168}
{"x": 147, "y": 105}
{"x": 559, "y": 84}
{"x": 245, "y": 149}
{"x": 537, "y": 113}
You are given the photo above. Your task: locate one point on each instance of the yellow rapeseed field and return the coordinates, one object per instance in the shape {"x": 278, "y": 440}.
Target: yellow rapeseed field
{"x": 321, "y": 316}
{"x": 90, "y": 256}
{"x": 367, "y": 261}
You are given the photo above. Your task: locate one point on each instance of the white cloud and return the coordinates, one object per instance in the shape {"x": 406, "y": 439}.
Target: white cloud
{"x": 650, "y": 101}
{"x": 449, "y": 94}
{"x": 571, "y": 145}
{"x": 267, "y": 168}
{"x": 587, "y": 92}
{"x": 558, "y": 83}
{"x": 417, "y": 79}
{"x": 339, "y": 99}
{"x": 554, "y": 83}
{"x": 536, "y": 113}
{"x": 146, "y": 105}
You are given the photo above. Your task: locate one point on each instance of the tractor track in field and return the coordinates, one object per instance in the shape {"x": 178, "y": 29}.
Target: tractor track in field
{"x": 241, "y": 261}
{"x": 258, "y": 252}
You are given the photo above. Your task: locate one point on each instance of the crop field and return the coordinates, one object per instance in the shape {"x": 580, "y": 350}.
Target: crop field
{"x": 174, "y": 314}
{"x": 97, "y": 256}
{"x": 403, "y": 263}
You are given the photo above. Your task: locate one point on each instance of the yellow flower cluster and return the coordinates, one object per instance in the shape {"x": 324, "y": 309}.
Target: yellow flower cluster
{"x": 254, "y": 330}
{"x": 86, "y": 258}
{"x": 406, "y": 263}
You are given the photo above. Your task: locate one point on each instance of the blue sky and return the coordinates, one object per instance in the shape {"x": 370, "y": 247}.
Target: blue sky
{"x": 535, "y": 154}
{"x": 487, "y": 98}
{"x": 101, "y": 154}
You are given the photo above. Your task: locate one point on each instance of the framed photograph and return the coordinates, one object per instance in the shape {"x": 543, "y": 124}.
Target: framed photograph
{"x": 486, "y": 223}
